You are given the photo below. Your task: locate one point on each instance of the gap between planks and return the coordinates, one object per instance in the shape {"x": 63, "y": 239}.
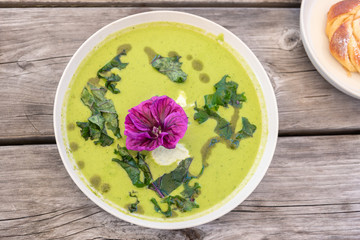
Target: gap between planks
{"x": 148, "y": 3}
{"x": 44, "y": 140}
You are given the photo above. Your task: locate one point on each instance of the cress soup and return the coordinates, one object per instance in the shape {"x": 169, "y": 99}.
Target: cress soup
{"x": 219, "y": 168}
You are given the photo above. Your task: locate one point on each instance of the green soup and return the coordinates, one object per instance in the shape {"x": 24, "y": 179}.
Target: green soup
{"x": 206, "y": 59}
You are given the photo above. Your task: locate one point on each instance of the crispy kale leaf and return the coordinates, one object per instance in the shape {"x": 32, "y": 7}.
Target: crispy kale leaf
{"x": 191, "y": 192}
{"x": 171, "y": 67}
{"x": 180, "y": 203}
{"x": 134, "y": 167}
{"x": 223, "y": 127}
{"x": 167, "y": 213}
{"x": 103, "y": 115}
{"x": 111, "y": 78}
{"x": 168, "y": 182}
{"x": 247, "y": 130}
{"x": 201, "y": 115}
{"x": 225, "y": 94}
{"x": 184, "y": 203}
{"x": 133, "y": 207}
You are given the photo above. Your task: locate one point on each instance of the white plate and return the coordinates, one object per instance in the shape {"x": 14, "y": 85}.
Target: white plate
{"x": 313, "y": 17}
{"x": 270, "y": 113}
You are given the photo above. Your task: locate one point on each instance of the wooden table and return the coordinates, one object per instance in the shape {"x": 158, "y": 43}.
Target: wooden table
{"x": 311, "y": 190}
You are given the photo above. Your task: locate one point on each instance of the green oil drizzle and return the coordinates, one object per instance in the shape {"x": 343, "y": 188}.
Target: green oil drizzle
{"x": 150, "y": 52}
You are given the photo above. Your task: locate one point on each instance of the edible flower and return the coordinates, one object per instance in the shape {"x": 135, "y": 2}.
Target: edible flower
{"x": 159, "y": 121}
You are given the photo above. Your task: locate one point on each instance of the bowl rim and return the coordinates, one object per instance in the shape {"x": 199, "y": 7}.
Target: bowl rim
{"x": 337, "y": 83}
{"x": 270, "y": 106}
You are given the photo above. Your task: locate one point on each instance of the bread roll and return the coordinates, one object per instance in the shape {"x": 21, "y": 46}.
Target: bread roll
{"x": 343, "y": 31}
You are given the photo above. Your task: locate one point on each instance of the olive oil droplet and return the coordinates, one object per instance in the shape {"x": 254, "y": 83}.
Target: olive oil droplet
{"x": 204, "y": 77}
{"x": 74, "y": 146}
{"x": 95, "y": 181}
{"x": 71, "y": 126}
{"x": 126, "y": 47}
{"x": 197, "y": 65}
{"x": 105, "y": 188}
{"x": 80, "y": 164}
{"x": 173, "y": 54}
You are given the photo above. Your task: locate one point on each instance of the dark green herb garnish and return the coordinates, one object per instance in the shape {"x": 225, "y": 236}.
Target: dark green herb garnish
{"x": 167, "y": 213}
{"x": 247, "y": 130}
{"x": 191, "y": 192}
{"x": 111, "y": 78}
{"x": 168, "y": 182}
{"x": 183, "y": 204}
{"x": 134, "y": 167}
{"x": 164, "y": 185}
{"x": 171, "y": 67}
{"x": 225, "y": 94}
{"x": 133, "y": 206}
{"x": 223, "y": 127}
{"x": 180, "y": 203}
{"x": 103, "y": 115}
{"x": 201, "y": 115}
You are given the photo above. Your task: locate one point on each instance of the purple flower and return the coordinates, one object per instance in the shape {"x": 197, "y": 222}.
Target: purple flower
{"x": 159, "y": 121}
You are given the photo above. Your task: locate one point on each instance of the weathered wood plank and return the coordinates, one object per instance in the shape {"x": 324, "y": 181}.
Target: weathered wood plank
{"x": 36, "y": 44}
{"x": 309, "y": 192}
{"x": 147, "y": 3}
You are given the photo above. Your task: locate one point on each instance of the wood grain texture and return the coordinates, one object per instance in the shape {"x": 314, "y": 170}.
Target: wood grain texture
{"x": 37, "y": 43}
{"x": 148, "y": 3}
{"x": 311, "y": 191}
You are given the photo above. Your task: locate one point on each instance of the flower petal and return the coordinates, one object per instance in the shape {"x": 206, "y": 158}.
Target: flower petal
{"x": 162, "y": 107}
{"x": 159, "y": 121}
{"x": 130, "y": 126}
{"x": 141, "y": 114}
{"x": 175, "y": 125}
{"x": 146, "y": 144}
{"x": 135, "y": 124}
{"x": 139, "y": 135}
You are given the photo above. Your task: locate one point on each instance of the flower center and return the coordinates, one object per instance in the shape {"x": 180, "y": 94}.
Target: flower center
{"x": 156, "y": 130}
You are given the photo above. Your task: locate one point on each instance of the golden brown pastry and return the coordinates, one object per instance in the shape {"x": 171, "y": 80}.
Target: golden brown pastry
{"x": 343, "y": 31}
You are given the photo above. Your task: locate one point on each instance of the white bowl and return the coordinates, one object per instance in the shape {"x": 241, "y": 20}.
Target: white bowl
{"x": 313, "y": 17}
{"x": 270, "y": 110}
